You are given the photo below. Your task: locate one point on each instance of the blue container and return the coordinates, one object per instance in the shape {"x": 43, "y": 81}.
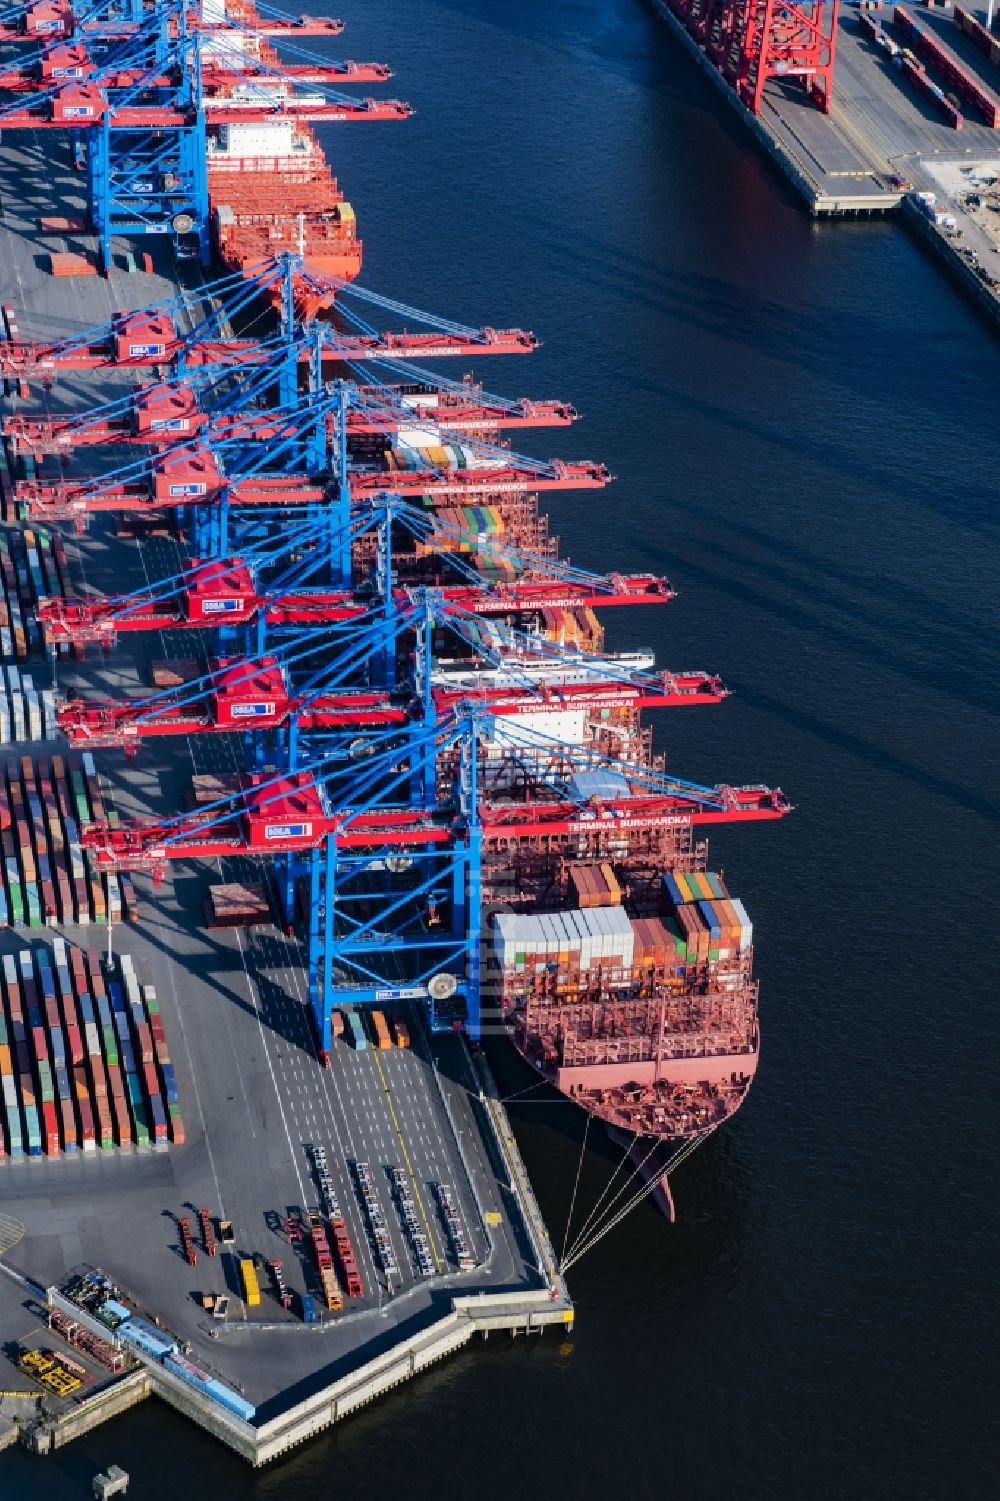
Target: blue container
{"x": 14, "y": 1144}
{"x": 712, "y": 920}
{"x": 193, "y": 1378}
{"x": 116, "y": 1312}
{"x": 357, "y": 1030}
{"x": 671, "y": 890}
{"x": 169, "y": 1083}
{"x": 226, "y": 1397}
{"x": 33, "y": 1132}
{"x": 147, "y": 1338}
{"x": 309, "y": 1314}
{"x": 104, "y": 1010}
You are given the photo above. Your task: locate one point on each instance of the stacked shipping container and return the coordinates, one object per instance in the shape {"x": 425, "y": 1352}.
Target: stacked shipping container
{"x": 83, "y": 1056}
{"x": 33, "y": 566}
{"x": 649, "y": 1020}
{"x": 26, "y": 713}
{"x": 45, "y": 877}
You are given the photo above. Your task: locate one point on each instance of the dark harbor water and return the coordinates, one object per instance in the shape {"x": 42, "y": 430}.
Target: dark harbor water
{"x": 803, "y": 422}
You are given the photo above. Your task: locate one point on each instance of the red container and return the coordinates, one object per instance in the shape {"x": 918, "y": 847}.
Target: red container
{"x": 65, "y": 263}
{"x": 50, "y": 1129}
{"x": 58, "y": 224}
{"x": 145, "y": 1043}
{"x": 105, "y": 1123}
{"x": 123, "y": 1124}
{"x": 70, "y": 1138}
{"x": 83, "y": 1107}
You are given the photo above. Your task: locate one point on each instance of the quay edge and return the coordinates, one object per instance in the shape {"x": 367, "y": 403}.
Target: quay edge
{"x": 818, "y": 201}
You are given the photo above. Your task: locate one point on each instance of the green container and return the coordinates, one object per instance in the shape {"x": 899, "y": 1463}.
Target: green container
{"x": 138, "y": 1110}
{"x": 14, "y": 891}
{"x": 79, "y": 787}
{"x": 110, "y": 1045}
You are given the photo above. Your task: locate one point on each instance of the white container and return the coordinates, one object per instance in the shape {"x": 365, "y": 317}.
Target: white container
{"x": 550, "y": 937}
{"x": 581, "y": 935}
{"x": 265, "y": 139}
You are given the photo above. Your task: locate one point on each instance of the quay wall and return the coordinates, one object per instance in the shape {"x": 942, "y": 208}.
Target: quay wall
{"x": 50, "y": 1434}
{"x": 514, "y": 1313}
{"x": 945, "y": 249}
{"x": 817, "y": 203}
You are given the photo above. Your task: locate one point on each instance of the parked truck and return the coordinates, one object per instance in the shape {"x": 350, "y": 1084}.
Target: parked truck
{"x": 251, "y": 1289}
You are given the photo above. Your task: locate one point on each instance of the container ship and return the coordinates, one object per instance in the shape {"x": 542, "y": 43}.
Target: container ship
{"x": 463, "y": 805}
{"x": 649, "y": 1023}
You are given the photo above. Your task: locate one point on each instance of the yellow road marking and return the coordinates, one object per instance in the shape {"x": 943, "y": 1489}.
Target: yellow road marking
{"x": 406, "y": 1158}
{"x": 11, "y": 1231}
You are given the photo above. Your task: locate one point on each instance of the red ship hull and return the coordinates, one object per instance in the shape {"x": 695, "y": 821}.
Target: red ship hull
{"x": 670, "y": 1100}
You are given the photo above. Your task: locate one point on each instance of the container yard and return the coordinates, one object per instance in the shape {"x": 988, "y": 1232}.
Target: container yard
{"x": 326, "y": 771}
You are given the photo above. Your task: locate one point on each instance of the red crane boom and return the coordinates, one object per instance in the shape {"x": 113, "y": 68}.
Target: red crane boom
{"x": 162, "y": 415}
{"x": 292, "y": 815}
{"x": 224, "y": 592}
{"x": 143, "y": 341}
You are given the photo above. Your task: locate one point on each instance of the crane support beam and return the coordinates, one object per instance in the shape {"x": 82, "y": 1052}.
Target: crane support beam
{"x": 277, "y": 830}
{"x": 225, "y": 594}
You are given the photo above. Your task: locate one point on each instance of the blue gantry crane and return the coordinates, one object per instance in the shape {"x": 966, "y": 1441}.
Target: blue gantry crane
{"x": 142, "y": 94}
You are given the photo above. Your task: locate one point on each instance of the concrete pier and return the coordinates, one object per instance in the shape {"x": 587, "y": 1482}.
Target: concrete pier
{"x": 45, "y": 1435}
{"x": 514, "y": 1313}
{"x": 831, "y": 173}
{"x": 524, "y": 1310}
{"x": 879, "y": 143}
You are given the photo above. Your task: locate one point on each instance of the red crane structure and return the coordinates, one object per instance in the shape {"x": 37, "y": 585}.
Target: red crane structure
{"x": 208, "y": 593}
{"x": 160, "y": 413}
{"x": 752, "y": 41}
